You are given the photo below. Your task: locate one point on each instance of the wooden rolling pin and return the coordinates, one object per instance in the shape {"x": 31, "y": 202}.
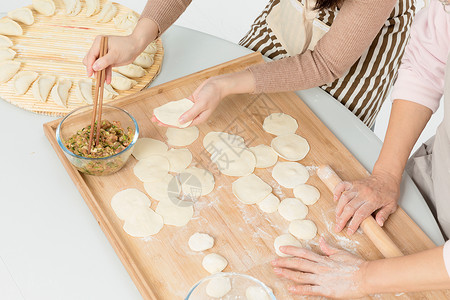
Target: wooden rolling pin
{"x": 370, "y": 227}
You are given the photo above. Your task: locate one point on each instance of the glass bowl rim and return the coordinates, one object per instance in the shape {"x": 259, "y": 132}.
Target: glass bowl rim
{"x": 64, "y": 148}
{"x": 266, "y": 288}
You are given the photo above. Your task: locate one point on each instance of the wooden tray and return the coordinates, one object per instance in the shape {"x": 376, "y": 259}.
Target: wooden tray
{"x": 56, "y": 45}
{"x": 162, "y": 266}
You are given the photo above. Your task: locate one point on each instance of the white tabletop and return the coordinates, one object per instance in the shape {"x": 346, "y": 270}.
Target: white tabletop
{"x": 51, "y": 247}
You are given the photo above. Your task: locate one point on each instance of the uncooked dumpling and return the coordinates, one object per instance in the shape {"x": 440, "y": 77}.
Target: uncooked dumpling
{"x": 23, "y": 15}
{"x": 108, "y": 12}
{"x": 181, "y": 137}
{"x": 127, "y": 21}
{"x": 92, "y": 7}
{"x": 42, "y": 87}
{"x": 152, "y": 48}
{"x": 109, "y": 92}
{"x": 23, "y": 81}
{"x": 10, "y": 27}
{"x": 8, "y": 69}
{"x": 84, "y": 90}
{"x": 170, "y": 112}
{"x": 131, "y": 71}
{"x": 73, "y": 7}
{"x": 44, "y": 7}
{"x": 144, "y": 60}
{"x": 7, "y": 54}
{"x": 5, "y": 42}
{"x": 122, "y": 83}
{"x": 60, "y": 92}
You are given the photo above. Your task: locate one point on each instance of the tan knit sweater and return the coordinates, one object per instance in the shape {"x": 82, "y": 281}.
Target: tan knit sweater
{"x": 352, "y": 32}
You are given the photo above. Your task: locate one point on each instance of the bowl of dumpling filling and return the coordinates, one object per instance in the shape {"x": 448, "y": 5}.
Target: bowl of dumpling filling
{"x": 119, "y": 132}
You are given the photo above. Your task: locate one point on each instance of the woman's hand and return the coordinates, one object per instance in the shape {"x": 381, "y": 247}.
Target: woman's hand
{"x": 337, "y": 274}
{"x": 359, "y": 199}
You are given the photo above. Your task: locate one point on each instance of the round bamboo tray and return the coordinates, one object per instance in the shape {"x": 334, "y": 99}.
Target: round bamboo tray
{"x": 56, "y": 45}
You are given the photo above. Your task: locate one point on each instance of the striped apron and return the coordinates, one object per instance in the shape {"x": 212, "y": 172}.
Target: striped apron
{"x": 363, "y": 88}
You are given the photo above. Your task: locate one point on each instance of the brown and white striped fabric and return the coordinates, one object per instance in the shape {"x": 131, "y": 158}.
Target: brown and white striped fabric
{"x": 367, "y": 83}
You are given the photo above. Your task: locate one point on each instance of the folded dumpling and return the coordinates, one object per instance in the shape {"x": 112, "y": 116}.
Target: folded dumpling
{"x": 84, "y": 90}
{"x": 127, "y": 21}
{"x": 8, "y": 69}
{"x": 152, "y": 48}
{"x": 92, "y": 7}
{"x": 131, "y": 71}
{"x": 144, "y": 60}
{"x": 109, "y": 93}
{"x": 108, "y": 12}
{"x": 23, "y": 15}
{"x": 10, "y": 27}
{"x": 60, "y": 92}
{"x": 73, "y": 7}
{"x": 23, "y": 81}
{"x": 7, "y": 54}
{"x": 5, "y": 42}
{"x": 122, "y": 83}
{"x": 44, "y": 7}
{"x": 42, "y": 87}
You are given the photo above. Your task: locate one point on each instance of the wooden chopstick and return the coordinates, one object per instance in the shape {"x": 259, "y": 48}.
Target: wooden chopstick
{"x": 102, "y": 86}
{"x": 99, "y": 83}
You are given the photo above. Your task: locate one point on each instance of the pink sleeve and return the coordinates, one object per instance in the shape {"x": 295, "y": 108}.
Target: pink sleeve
{"x": 446, "y": 254}
{"x": 421, "y": 75}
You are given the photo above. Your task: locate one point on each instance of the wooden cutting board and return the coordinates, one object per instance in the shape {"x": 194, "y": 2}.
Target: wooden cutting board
{"x": 162, "y": 266}
{"x": 56, "y": 45}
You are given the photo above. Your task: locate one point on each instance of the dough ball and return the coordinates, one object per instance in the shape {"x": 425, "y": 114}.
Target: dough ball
{"x": 303, "y": 229}
{"x": 180, "y": 137}
{"x": 175, "y": 214}
{"x": 146, "y": 146}
{"x": 196, "y": 182}
{"x": 215, "y": 142}
{"x": 179, "y": 159}
{"x": 280, "y": 124}
{"x": 290, "y": 174}
{"x": 290, "y": 147}
{"x": 265, "y": 156}
{"x": 235, "y": 161}
{"x": 269, "y": 204}
{"x": 250, "y": 189}
{"x": 285, "y": 240}
{"x": 170, "y": 113}
{"x": 292, "y": 209}
{"x": 151, "y": 168}
{"x": 256, "y": 293}
{"x": 214, "y": 263}
{"x": 218, "y": 287}
{"x": 166, "y": 188}
{"x": 307, "y": 193}
{"x": 200, "y": 242}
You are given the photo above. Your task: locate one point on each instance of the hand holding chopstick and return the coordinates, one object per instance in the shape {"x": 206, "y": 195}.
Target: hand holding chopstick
{"x": 98, "y": 96}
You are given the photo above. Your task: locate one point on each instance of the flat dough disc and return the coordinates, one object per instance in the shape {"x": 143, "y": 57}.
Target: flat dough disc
{"x": 179, "y": 159}
{"x": 215, "y": 141}
{"x": 152, "y": 168}
{"x": 180, "y": 137}
{"x": 265, "y": 156}
{"x": 196, "y": 182}
{"x": 175, "y": 214}
{"x": 307, "y": 193}
{"x": 143, "y": 223}
{"x": 269, "y": 204}
{"x": 290, "y": 174}
{"x": 292, "y": 209}
{"x": 285, "y": 240}
{"x": 146, "y": 146}
{"x": 166, "y": 188}
{"x": 251, "y": 189}
{"x": 169, "y": 113}
{"x": 235, "y": 161}
{"x": 125, "y": 202}
{"x": 303, "y": 229}
{"x": 279, "y": 124}
{"x": 290, "y": 147}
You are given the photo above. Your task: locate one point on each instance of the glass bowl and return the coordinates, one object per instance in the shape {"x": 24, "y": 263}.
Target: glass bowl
{"x": 81, "y": 118}
{"x": 239, "y": 285}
